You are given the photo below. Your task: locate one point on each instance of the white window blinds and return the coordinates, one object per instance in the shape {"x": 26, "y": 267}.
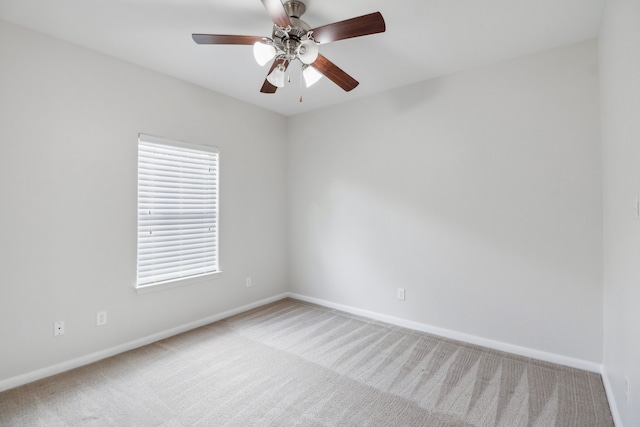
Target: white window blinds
{"x": 177, "y": 210}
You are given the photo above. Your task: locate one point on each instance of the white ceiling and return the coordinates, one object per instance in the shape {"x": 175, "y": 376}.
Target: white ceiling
{"x": 424, "y": 39}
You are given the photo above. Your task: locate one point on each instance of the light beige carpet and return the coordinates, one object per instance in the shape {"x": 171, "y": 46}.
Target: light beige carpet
{"x": 297, "y": 364}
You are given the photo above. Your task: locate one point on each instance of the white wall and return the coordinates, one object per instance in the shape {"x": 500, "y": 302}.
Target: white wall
{"x": 620, "y": 87}
{"x": 479, "y": 192}
{"x": 69, "y": 120}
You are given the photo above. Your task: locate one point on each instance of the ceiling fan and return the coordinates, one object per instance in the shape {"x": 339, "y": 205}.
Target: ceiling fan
{"x": 293, "y": 39}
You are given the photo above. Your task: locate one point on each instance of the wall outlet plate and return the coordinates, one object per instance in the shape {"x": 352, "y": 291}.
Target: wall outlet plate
{"x": 58, "y": 328}
{"x": 101, "y": 318}
{"x": 400, "y": 294}
{"x": 248, "y": 282}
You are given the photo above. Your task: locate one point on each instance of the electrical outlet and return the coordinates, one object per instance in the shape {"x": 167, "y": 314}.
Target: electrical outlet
{"x": 248, "y": 282}
{"x": 58, "y": 328}
{"x": 401, "y": 294}
{"x": 101, "y": 318}
{"x": 637, "y": 207}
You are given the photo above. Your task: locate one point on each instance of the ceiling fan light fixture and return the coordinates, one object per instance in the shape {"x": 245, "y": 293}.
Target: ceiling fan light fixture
{"x": 292, "y": 38}
{"x": 263, "y": 52}
{"x": 310, "y": 75}
{"x": 307, "y": 52}
{"x": 276, "y": 77}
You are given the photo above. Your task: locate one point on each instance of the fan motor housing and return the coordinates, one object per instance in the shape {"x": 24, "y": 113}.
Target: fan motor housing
{"x": 288, "y": 39}
{"x": 299, "y": 29}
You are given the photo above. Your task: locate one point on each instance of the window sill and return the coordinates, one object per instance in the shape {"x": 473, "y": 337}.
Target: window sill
{"x": 153, "y": 287}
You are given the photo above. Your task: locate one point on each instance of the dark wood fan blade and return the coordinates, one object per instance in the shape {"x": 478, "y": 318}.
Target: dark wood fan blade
{"x": 372, "y": 23}
{"x": 268, "y": 87}
{"x": 334, "y": 73}
{"x": 225, "y": 39}
{"x": 276, "y": 12}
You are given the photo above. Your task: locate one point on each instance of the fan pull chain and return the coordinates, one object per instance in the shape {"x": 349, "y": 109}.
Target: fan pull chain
{"x": 300, "y": 84}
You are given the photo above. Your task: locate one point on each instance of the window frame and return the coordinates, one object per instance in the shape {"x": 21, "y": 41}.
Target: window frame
{"x": 194, "y": 278}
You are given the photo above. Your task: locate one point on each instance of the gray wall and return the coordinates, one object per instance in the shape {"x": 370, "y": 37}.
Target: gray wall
{"x": 620, "y": 87}
{"x": 69, "y": 121}
{"x": 479, "y": 193}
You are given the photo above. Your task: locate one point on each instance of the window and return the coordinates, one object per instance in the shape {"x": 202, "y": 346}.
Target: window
{"x": 177, "y": 211}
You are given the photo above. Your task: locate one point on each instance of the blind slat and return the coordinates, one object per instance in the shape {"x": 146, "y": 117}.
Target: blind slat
{"x": 176, "y": 265}
{"x": 145, "y": 242}
{"x": 171, "y": 253}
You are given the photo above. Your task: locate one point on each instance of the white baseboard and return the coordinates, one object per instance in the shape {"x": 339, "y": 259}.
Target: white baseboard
{"x": 112, "y": 351}
{"x": 459, "y": 336}
{"x": 617, "y": 420}
{"x": 446, "y": 333}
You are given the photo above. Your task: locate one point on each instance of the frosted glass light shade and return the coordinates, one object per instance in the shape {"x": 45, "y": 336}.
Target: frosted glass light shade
{"x": 307, "y": 52}
{"x": 276, "y": 77}
{"x": 263, "y": 53}
{"x": 311, "y": 76}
